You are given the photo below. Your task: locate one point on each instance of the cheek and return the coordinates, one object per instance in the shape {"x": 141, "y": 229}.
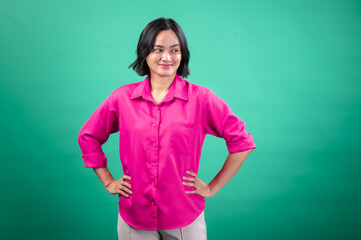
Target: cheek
{"x": 151, "y": 60}
{"x": 151, "y": 57}
{"x": 178, "y": 58}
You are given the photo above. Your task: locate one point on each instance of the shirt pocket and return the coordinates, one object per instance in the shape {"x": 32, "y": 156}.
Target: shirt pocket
{"x": 184, "y": 138}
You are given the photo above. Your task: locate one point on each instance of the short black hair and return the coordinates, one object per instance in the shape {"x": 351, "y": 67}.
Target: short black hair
{"x": 146, "y": 43}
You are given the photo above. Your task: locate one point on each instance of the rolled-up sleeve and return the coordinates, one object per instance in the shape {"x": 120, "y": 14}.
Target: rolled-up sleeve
{"x": 95, "y": 132}
{"x": 219, "y": 120}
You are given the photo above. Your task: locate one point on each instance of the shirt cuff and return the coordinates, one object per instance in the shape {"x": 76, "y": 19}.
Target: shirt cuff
{"x": 241, "y": 145}
{"x": 92, "y": 160}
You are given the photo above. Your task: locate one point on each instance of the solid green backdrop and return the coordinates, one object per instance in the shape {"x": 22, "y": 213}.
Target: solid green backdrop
{"x": 289, "y": 69}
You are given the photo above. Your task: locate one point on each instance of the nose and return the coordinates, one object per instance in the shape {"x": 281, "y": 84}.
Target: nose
{"x": 166, "y": 56}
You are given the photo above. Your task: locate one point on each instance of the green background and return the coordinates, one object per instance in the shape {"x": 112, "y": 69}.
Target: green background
{"x": 289, "y": 69}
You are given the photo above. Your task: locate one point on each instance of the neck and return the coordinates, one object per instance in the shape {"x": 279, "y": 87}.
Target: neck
{"x": 159, "y": 84}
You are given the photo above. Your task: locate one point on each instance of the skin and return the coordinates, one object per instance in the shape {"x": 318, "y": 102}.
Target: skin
{"x": 168, "y": 52}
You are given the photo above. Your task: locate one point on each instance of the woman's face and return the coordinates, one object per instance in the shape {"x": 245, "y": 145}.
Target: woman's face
{"x": 165, "y": 57}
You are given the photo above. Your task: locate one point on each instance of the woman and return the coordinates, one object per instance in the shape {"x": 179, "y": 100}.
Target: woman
{"x": 162, "y": 123}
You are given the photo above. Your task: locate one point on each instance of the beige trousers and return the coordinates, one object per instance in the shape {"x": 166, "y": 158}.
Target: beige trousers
{"x": 197, "y": 230}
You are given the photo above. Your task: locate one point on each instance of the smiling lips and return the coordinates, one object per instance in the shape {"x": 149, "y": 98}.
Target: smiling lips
{"x": 166, "y": 65}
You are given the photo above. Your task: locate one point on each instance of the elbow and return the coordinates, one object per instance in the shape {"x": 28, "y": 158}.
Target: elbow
{"x": 81, "y": 139}
{"x": 80, "y": 135}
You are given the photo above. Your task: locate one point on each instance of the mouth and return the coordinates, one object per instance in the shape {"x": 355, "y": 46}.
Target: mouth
{"x": 165, "y": 65}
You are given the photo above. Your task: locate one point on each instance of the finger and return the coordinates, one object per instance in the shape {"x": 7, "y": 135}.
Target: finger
{"x": 126, "y": 184}
{"x": 189, "y": 184}
{"x": 189, "y": 178}
{"x": 123, "y": 193}
{"x": 127, "y": 177}
{"x": 190, "y": 192}
{"x": 192, "y": 173}
{"x": 124, "y": 189}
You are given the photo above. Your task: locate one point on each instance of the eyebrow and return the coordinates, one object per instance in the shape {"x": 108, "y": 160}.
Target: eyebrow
{"x": 174, "y": 45}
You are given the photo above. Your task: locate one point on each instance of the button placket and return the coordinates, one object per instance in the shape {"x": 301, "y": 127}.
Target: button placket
{"x": 155, "y": 163}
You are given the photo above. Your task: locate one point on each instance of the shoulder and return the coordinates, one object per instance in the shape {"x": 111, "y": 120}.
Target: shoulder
{"x": 125, "y": 90}
{"x": 207, "y": 96}
{"x": 203, "y": 93}
{"x": 196, "y": 90}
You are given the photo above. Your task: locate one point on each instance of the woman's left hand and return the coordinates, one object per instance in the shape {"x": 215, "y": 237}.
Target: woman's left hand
{"x": 201, "y": 188}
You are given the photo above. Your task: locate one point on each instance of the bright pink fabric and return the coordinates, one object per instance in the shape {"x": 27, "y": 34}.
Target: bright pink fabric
{"x": 158, "y": 143}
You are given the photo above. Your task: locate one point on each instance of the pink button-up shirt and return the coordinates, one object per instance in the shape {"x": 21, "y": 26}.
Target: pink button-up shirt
{"x": 158, "y": 144}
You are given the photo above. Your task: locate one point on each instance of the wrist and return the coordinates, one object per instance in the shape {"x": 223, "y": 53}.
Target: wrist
{"x": 211, "y": 188}
{"x": 108, "y": 183}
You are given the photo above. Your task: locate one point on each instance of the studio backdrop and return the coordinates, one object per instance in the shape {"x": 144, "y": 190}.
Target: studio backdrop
{"x": 289, "y": 69}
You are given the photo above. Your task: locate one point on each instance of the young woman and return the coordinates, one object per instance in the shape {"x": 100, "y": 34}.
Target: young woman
{"x": 162, "y": 123}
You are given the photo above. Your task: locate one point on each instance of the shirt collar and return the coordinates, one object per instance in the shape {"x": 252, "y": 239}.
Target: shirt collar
{"x": 177, "y": 89}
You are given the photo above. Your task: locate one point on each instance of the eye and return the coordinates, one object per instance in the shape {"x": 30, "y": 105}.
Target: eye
{"x": 157, "y": 50}
{"x": 175, "y": 50}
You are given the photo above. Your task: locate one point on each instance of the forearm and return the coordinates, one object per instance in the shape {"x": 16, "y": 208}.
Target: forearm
{"x": 233, "y": 163}
{"x": 104, "y": 175}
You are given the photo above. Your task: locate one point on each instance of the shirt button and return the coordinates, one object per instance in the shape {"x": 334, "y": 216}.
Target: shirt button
{"x": 154, "y": 203}
{"x": 154, "y": 124}
{"x": 153, "y": 184}
{"x": 154, "y": 144}
{"x": 156, "y": 108}
{"x": 154, "y": 164}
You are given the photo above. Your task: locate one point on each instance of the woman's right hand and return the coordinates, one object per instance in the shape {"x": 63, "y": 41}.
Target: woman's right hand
{"x": 120, "y": 187}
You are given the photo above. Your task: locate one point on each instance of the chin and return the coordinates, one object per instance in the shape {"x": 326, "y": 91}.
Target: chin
{"x": 166, "y": 73}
